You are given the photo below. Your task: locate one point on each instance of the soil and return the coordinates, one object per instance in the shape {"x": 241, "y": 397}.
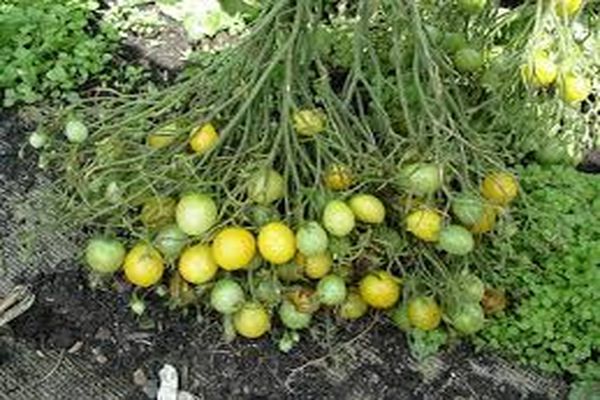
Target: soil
{"x": 370, "y": 361}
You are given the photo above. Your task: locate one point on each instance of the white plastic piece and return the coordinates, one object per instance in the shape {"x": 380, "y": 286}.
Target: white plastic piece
{"x": 169, "y": 382}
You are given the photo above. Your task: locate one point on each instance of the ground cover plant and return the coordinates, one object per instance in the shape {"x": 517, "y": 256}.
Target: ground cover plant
{"x": 346, "y": 159}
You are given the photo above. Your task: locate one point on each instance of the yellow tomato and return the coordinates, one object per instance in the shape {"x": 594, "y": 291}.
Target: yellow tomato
{"x": 541, "y": 71}
{"x": 143, "y": 266}
{"x": 277, "y": 243}
{"x": 309, "y": 122}
{"x": 499, "y": 188}
{"x": 574, "y": 88}
{"x": 197, "y": 264}
{"x": 379, "y": 289}
{"x": 338, "y": 177}
{"x": 315, "y": 267}
{"x": 163, "y": 137}
{"x": 233, "y": 248}
{"x": 425, "y": 224}
{"x": 424, "y": 313}
{"x": 567, "y": 8}
{"x": 487, "y": 221}
{"x": 252, "y": 320}
{"x": 203, "y": 138}
{"x": 367, "y": 208}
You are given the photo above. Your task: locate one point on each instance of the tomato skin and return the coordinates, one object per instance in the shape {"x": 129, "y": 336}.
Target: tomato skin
{"x": 311, "y": 239}
{"x": 468, "y": 318}
{"x": 170, "y": 241}
{"x": 367, "y": 208}
{"x": 468, "y": 209}
{"x": 266, "y": 186}
{"x": 425, "y": 224}
{"x": 457, "y": 240}
{"x": 203, "y": 138}
{"x": 196, "y": 213}
{"x": 424, "y": 313}
{"x": 379, "y": 289}
{"x": 421, "y": 179}
{"x": 332, "y": 290}
{"x": 227, "y": 296}
{"x": 277, "y": 243}
{"x": 315, "y": 267}
{"x": 468, "y": 60}
{"x": 338, "y": 218}
{"x": 197, "y": 264}
{"x": 292, "y": 318}
{"x": 353, "y": 307}
{"x": 104, "y": 255}
{"x": 252, "y": 320}
{"x": 338, "y": 177}
{"x": 499, "y": 188}
{"x": 234, "y": 248}
{"x": 143, "y": 265}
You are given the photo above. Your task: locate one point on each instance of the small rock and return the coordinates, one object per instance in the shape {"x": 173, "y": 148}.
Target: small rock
{"x": 101, "y": 359}
{"x": 75, "y": 348}
{"x": 139, "y": 377}
{"x": 102, "y": 334}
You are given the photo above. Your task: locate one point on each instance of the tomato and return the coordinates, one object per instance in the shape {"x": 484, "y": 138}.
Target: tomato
{"x": 143, "y": 266}
{"x": 493, "y": 301}
{"x": 203, "y": 138}
{"x": 252, "y": 320}
{"x": 261, "y": 215}
{"x": 337, "y": 177}
{"x": 277, "y": 243}
{"x": 574, "y": 88}
{"x": 472, "y": 6}
{"x": 338, "y": 218}
{"x": 170, "y": 241}
{"x": 315, "y": 267}
{"x": 163, "y": 137}
{"x": 331, "y": 290}
{"x": 453, "y": 42}
{"x": 311, "y": 239}
{"x": 227, "y": 296}
{"x": 567, "y": 8}
{"x": 468, "y": 318}
{"x": 425, "y": 224}
{"x": 470, "y": 288}
{"x": 292, "y": 318}
{"x": 266, "y": 186}
{"x": 104, "y": 255}
{"x": 421, "y": 179}
{"x": 305, "y": 299}
{"x": 76, "y": 131}
{"x": 197, "y": 264}
{"x": 499, "y": 188}
{"x": 353, "y": 307}
{"x": 290, "y": 272}
{"x": 487, "y": 221}
{"x": 158, "y": 211}
{"x": 379, "y": 289}
{"x": 400, "y": 318}
{"x": 367, "y": 208}
{"x": 234, "y": 248}
{"x": 468, "y": 60}
{"x": 467, "y": 208}
{"x": 540, "y": 71}
{"x": 454, "y": 239}
{"x": 424, "y": 313}
{"x": 196, "y": 213}
{"x": 309, "y": 122}
{"x": 552, "y": 151}
{"x": 268, "y": 291}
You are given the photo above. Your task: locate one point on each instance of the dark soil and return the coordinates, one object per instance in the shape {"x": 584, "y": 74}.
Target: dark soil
{"x": 369, "y": 361}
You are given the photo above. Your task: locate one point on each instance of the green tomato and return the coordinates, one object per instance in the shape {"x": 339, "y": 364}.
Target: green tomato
{"x": 196, "y": 213}
{"x": 400, "y": 318}
{"x": 421, "y": 179}
{"x": 457, "y": 240}
{"x": 471, "y": 288}
{"x": 104, "y": 255}
{"x": 227, "y": 296}
{"x": 292, "y": 318}
{"x": 468, "y": 60}
{"x": 338, "y": 218}
{"x": 76, "y": 131}
{"x": 311, "y": 239}
{"x": 468, "y": 318}
{"x": 353, "y": 307}
{"x": 468, "y": 209}
{"x": 332, "y": 290}
{"x": 472, "y": 6}
{"x": 170, "y": 241}
{"x": 266, "y": 186}
{"x": 453, "y": 42}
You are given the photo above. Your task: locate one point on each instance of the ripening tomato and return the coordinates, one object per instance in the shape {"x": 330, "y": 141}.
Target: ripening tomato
{"x": 499, "y": 188}
{"x": 487, "y": 221}
{"x": 567, "y": 8}
{"x": 311, "y": 239}
{"x": 163, "y": 136}
{"x": 353, "y": 307}
{"x": 266, "y": 186}
{"x": 540, "y": 71}
{"x": 424, "y": 313}
{"x": 425, "y": 224}
{"x": 309, "y": 122}
{"x": 277, "y": 243}
{"x": 338, "y": 177}
{"x": 380, "y": 289}
{"x": 367, "y": 208}
{"x": 234, "y": 248}
{"x": 203, "y": 138}
{"x": 574, "y": 88}
{"x": 338, "y": 218}
{"x": 252, "y": 320}
{"x": 197, "y": 264}
{"x": 317, "y": 266}
{"x": 143, "y": 266}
